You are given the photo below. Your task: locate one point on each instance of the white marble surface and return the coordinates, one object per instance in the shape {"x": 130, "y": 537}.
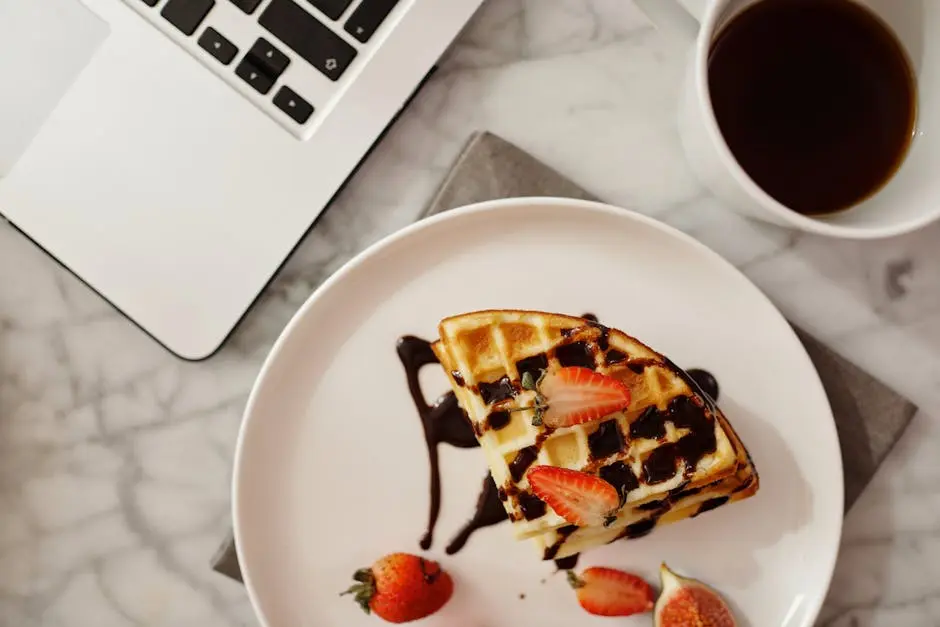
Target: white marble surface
{"x": 115, "y": 457}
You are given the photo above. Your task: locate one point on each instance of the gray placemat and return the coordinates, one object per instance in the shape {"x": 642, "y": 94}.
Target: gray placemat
{"x": 870, "y": 417}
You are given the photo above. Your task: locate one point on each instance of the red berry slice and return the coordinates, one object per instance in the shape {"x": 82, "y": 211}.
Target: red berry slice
{"x": 576, "y": 395}
{"x": 581, "y": 499}
{"x": 610, "y": 592}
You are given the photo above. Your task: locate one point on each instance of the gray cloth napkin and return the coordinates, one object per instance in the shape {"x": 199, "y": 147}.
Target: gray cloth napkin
{"x": 870, "y": 417}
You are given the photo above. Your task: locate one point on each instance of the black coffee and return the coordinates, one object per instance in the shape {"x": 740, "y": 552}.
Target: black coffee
{"x": 815, "y": 98}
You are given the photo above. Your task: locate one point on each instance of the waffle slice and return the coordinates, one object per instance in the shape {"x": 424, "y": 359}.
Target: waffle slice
{"x": 679, "y": 504}
{"x": 671, "y": 439}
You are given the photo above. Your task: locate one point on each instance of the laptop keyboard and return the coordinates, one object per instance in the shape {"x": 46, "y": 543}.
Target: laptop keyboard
{"x": 367, "y": 18}
{"x": 292, "y": 54}
{"x": 308, "y": 37}
{"x": 186, "y": 15}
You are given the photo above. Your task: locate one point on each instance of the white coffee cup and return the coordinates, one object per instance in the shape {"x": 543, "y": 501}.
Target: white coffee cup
{"x": 910, "y": 200}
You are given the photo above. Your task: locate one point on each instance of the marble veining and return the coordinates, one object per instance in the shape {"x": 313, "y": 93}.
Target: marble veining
{"x": 115, "y": 457}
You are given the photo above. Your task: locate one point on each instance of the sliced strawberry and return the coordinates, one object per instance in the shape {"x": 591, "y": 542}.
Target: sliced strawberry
{"x": 577, "y": 395}
{"x": 579, "y": 498}
{"x": 611, "y": 592}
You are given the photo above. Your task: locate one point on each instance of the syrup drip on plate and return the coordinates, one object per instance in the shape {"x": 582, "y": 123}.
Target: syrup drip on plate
{"x": 706, "y": 381}
{"x": 444, "y": 421}
{"x": 489, "y": 511}
{"x": 567, "y": 563}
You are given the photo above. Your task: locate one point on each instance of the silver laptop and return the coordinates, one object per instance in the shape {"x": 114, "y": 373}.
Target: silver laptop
{"x": 171, "y": 153}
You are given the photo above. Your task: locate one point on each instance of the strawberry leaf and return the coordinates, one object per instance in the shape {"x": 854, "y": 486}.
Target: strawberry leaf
{"x": 538, "y": 418}
{"x": 528, "y": 381}
{"x": 364, "y": 575}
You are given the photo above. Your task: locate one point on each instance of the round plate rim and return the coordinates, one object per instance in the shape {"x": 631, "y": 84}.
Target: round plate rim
{"x": 495, "y": 207}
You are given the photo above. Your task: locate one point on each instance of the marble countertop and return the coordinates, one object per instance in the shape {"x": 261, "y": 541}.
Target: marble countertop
{"x": 115, "y": 457}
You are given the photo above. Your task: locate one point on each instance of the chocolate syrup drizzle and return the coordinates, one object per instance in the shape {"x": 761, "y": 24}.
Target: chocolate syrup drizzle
{"x": 445, "y": 422}
{"x": 567, "y": 563}
{"x": 706, "y": 381}
{"x": 489, "y": 511}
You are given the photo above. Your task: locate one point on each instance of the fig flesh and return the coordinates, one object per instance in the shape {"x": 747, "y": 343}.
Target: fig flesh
{"x": 686, "y": 602}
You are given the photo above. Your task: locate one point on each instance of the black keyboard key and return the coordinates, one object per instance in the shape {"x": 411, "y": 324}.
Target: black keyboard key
{"x": 305, "y": 35}
{"x": 264, "y": 55}
{"x": 254, "y": 76}
{"x": 248, "y": 6}
{"x": 150, "y": 3}
{"x": 293, "y": 105}
{"x": 367, "y": 18}
{"x": 187, "y": 15}
{"x": 213, "y": 42}
{"x": 333, "y": 9}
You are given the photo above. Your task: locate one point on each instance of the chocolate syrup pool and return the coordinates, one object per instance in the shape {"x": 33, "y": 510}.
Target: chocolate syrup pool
{"x": 445, "y": 422}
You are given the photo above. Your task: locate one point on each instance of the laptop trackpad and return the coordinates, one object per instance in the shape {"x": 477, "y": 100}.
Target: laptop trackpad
{"x": 44, "y": 45}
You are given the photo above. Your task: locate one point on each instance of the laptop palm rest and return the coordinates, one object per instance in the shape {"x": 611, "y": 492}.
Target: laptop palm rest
{"x": 44, "y": 46}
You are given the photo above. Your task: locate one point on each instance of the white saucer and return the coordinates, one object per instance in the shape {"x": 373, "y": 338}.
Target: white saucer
{"x": 332, "y": 470}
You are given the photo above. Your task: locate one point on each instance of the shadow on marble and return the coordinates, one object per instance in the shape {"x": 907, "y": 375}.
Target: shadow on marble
{"x": 834, "y": 613}
{"x": 879, "y": 517}
{"x": 887, "y": 569}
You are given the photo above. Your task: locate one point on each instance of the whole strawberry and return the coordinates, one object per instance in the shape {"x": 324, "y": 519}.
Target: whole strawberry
{"x": 401, "y": 587}
{"x": 611, "y": 592}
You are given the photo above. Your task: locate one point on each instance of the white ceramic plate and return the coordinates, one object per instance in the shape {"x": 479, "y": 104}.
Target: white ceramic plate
{"x": 332, "y": 470}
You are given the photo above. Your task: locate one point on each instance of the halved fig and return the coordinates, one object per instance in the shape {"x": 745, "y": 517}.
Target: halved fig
{"x": 685, "y": 602}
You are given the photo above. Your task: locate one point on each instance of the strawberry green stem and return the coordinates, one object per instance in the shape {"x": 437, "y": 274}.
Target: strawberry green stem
{"x": 363, "y": 590}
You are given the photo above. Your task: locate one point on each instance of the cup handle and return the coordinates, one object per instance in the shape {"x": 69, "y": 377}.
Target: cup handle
{"x": 679, "y": 19}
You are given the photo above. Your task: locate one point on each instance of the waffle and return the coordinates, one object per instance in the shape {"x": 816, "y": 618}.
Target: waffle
{"x": 678, "y": 505}
{"x": 669, "y": 452}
